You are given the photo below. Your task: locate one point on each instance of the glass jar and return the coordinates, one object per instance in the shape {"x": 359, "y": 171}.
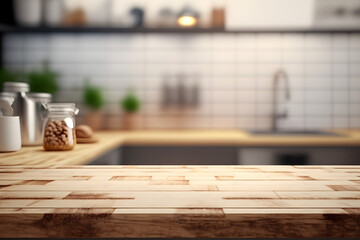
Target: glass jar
{"x": 59, "y": 128}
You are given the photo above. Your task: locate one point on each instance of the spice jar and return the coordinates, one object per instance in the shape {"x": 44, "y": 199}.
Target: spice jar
{"x": 59, "y": 129}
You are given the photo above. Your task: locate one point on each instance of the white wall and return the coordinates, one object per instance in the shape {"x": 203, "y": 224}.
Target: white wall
{"x": 235, "y": 72}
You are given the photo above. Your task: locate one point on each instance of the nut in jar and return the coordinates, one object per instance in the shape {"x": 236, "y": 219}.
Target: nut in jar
{"x": 59, "y": 130}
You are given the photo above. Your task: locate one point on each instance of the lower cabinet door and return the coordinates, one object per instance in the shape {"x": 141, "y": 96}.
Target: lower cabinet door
{"x": 299, "y": 156}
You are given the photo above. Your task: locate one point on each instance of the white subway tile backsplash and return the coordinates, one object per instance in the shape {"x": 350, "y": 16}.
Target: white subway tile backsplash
{"x": 318, "y": 96}
{"x": 340, "y": 56}
{"x": 224, "y": 70}
{"x": 318, "y": 69}
{"x": 222, "y": 56}
{"x": 318, "y": 41}
{"x": 317, "y": 109}
{"x": 246, "y": 109}
{"x": 246, "y": 96}
{"x": 355, "y": 122}
{"x": 296, "y": 83}
{"x": 245, "y": 56}
{"x": 13, "y": 56}
{"x": 294, "y": 69}
{"x": 341, "y": 96}
{"x": 355, "y": 82}
{"x": 13, "y": 41}
{"x": 355, "y": 69}
{"x": 293, "y": 41}
{"x": 298, "y": 96}
{"x": 340, "y": 70}
{"x": 291, "y": 123}
{"x": 268, "y": 41}
{"x": 354, "y": 41}
{"x": 125, "y": 42}
{"x": 99, "y": 57}
{"x": 173, "y": 56}
{"x": 127, "y": 57}
{"x": 318, "y": 123}
{"x": 114, "y": 96}
{"x": 264, "y": 109}
{"x": 223, "y": 122}
{"x": 340, "y": 122}
{"x": 233, "y": 71}
{"x": 224, "y": 109}
{"x": 64, "y": 56}
{"x": 355, "y": 96}
{"x": 247, "y": 70}
{"x": 226, "y": 83}
{"x": 246, "y": 123}
{"x": 224, "y": 96}
{"x": 340, "y": 42}
{"x": 269, "y": 56}
{"x": 246, "y": 42}
{"x": 125, "y": 70}
{"x": 35, "y": 42}
{"x": 354, "y": 56}
{"x": 340, "y": 83}
{"x": 340, "y": 109}
{"x": 68, "y": 96}
{"x": 223, "y": 42}
{"x": 70, "y": 83}
{"x": 264, "y": 96}
{"x": 264, "y": 83}
{"x": 295, "y": 109}
{"x": 317, "y": 56}
{"x": 60, "y": 42}
{"x": 92, "y": 70}
{"x": 354, "y": 110}
{"x": 263, "y": 123}
{"x": 293, "y": 56}
{"x": 267, "y": 70}
{"x": 246, "y": 83}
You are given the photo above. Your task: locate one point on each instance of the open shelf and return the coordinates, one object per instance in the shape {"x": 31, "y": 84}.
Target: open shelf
{"x": 19, "y": 29}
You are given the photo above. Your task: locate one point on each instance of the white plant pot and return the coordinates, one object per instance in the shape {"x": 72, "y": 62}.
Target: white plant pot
{"x": 28, "y": 12}
{"x": 53, "y": 12}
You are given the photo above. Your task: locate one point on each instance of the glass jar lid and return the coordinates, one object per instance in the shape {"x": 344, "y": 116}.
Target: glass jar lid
{"x": 40, "y": 96}
{"x": 59, "y": 108}
{"x": 16, "y": 87}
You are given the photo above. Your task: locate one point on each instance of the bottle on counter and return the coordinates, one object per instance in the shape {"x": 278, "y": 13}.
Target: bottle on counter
{"x": 28, "y": 106}
{"x": 59, "y": 130}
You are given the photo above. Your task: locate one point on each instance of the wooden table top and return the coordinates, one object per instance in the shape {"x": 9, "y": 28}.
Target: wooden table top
{"x": 180, "y": 201}
{"x": 84, "y": 153}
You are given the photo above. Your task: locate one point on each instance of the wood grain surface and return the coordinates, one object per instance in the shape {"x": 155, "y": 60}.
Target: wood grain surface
{"x": 85, "y": 153}
{"x": 180, "y": 201}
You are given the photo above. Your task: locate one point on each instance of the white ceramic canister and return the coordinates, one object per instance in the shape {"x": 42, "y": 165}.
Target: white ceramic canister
{"x": 28, "y": 12}
{"x": 10, "y": 136}
{"x": 53, "y": 12}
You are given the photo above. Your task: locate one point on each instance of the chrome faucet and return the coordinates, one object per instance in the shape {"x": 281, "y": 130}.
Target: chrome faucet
{"x": 276, "y": 80}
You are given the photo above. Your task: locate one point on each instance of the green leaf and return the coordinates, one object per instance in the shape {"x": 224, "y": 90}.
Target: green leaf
{"x": 130, "y": 103}
{"x": 93, "y": 97}
{"x": 43, "y": 81}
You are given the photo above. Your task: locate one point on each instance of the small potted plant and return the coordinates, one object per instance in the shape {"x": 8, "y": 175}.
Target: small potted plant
{"x": 44, "y": 81}
{"x": 94, "y": 99}
{"x": 130, "y": 104}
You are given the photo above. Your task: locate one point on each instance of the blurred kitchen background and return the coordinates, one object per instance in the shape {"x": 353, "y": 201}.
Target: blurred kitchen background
{"x": 200, "y": 64}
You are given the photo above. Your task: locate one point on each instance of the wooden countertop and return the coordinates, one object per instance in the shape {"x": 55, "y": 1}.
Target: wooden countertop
{"x": 180, "y": 201}
{"x": 84, "y": 153}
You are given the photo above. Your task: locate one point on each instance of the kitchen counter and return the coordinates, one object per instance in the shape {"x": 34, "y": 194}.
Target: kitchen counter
{"x": 180, "y": 201}
{"x": 84, "y": 153}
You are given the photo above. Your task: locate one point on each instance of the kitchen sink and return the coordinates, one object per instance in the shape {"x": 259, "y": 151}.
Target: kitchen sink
{"x": 297, "y": 133}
